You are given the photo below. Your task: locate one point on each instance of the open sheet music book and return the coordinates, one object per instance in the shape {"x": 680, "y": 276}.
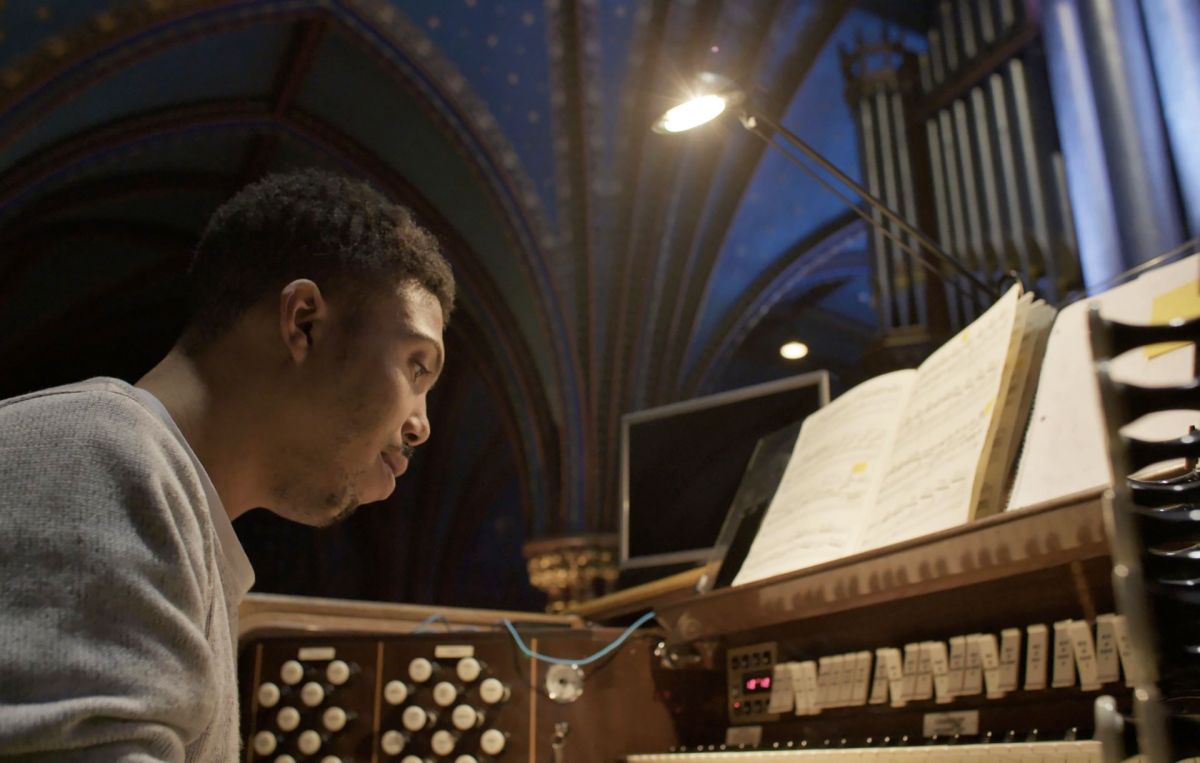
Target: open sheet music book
{"x": 910, "y": 452}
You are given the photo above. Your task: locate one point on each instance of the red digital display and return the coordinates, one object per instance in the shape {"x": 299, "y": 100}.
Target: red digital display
{"x": 756, "y": 684}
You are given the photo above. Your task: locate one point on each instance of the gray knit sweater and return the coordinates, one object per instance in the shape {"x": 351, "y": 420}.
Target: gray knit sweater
{"x": 120, "y": 578}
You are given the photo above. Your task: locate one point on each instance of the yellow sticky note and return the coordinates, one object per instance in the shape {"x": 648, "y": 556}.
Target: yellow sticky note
{"x": 1183, "y": 302}
{"x": 859, "y": 467}
{"x": 987, "y": 409}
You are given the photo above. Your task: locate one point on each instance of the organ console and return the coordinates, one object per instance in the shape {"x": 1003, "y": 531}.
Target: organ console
{"x": 985, "y": 642}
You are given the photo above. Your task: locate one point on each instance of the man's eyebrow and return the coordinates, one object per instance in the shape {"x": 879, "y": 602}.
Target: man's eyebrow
{"x": 421, "y": 335}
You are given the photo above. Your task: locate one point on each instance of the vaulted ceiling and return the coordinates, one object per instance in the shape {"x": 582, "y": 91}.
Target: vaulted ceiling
{"x": 602, "y": 268}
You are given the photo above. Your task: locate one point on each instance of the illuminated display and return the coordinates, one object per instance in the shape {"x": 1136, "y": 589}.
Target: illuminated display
{"x": 758, "y": 683}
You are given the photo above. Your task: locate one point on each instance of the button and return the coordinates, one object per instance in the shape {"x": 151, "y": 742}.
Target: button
{"x": 285, "y": 759}
{"x": 468, "y": 669}
{"x": 411, "y": 759}
{"x": 392, "y": 742}
{"x": 466, "y": 718}
{"x": 334, "y": 719}
{"x": 265, "y": 743}
{"x": 445, "y": 693}
{"x": 338, "y": 672}
{"x": 420, "y": 670}
{"x": 331, "y": 759}
{"x": 312, "y": 694}
{"x": 395, "y": 692}
{"x": 309, "y": 742}
{"x": 291, "y": 672}
{"x": 287, "y": 719}
{"x": 465, "y": 759}
{"x": 268, "y": 695}
{"x": 415, "y": 718}
{"x": 492, "y": 742}
{"x": 492, "y": 691}
{"x": 443, "y": 742}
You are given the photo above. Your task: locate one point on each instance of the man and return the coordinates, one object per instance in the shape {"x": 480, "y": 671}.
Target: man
{"x": 299, "y": 385}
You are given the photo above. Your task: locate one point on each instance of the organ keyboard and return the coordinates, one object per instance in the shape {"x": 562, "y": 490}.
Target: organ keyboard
{"x": 993, "y": 631}
{"x": 1019, "y": 752}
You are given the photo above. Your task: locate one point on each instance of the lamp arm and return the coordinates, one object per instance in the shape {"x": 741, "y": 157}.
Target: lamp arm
{"x": 929, "y": 244}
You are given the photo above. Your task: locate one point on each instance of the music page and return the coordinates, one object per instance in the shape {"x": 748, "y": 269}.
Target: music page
{"x": 1065, "y": 450}
{"x": 830, "y": 481}
{"x": 944, "y": 434}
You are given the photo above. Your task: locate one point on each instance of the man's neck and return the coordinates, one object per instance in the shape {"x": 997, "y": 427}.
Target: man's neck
{"x": 201, "y": 406}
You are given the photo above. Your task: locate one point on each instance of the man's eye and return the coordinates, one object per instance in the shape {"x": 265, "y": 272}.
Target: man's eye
{"x": 419, "y": 370}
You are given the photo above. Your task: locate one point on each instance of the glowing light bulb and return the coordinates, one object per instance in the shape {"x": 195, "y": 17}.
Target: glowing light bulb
{"x": 693, "y": 113}
{"x": 794, "y": 350}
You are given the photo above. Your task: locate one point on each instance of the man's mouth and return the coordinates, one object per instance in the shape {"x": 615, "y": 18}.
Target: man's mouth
{"x": 393, "y": 464}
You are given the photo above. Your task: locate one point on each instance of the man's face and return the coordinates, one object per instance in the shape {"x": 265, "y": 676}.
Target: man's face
{"x": 362, "y": 408}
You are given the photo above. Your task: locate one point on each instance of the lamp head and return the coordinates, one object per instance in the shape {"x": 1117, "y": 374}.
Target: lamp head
{"x": 707, "y": 99}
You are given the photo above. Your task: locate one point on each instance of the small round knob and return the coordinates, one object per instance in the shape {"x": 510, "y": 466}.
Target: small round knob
{"x": 466, "y": 718}
{"x": 268, "y": 695}
{"x": 291, "y": 672}
{"x": 443, "y": 742}
{"x": 415, "y": 718}
{"x": 334, "y": 719}
{"x": 331, "y": 759}
{"x": 395, "y": 692}
{"x": 312, "y": 694}
{"x": 420, "y": 670}
{"x": 338, "y": 672}
{"x": 392, "y": 742}
{"x": 309, "y": 742}
{"x": 411, "y": 759}
{"x": 492, "y": 691}
{"x": 465, "y": 759}
{"x": 493, "y": 741}
{"x": 468, "y": 669}
{"x": 265, "y": 743}
{"x": 285, "y": 759}
{"x": 287, "y": 719}
{"x": 445, "y": 693}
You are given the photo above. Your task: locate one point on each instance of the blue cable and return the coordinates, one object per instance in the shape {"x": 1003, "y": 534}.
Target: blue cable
{"x": 424, "y": 624}
{"x": 582, "y": 661}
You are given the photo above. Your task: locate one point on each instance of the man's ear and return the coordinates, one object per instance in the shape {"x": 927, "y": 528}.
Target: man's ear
{"x": 303, "y": 315}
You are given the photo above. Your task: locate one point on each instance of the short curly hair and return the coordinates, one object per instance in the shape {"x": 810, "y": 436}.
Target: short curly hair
{"x": 337, "y": 231}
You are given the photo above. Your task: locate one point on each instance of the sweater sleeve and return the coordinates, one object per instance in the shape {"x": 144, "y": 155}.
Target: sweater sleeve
{"x": 106, "y": 591}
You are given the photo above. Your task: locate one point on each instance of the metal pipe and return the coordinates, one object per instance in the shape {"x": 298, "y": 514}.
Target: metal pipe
{"x": 927, "y": 243}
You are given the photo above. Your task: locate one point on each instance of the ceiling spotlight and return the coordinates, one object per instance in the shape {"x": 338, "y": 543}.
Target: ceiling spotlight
{"x": 794, "y": 350}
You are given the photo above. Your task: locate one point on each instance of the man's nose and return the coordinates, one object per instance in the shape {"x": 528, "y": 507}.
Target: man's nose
{"x": 416, "y": 426}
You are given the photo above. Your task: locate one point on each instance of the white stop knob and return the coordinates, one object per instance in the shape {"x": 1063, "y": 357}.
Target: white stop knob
{"x": 287, "y": 719}
{"x": 492, "y": 741}
{"x": 291, "y": 672}
{"x": 468, "y": 669}
{"x": 443, "y": 742}
{"x": 395, "y": 692}
{"x": 331, "y": 759}
{"x": 312, "y": 694}
{"x": 411, "y": 759}
{"x": 492, "y": 691}
{"x": 444, "y": 694}
{"x": 415, "y": 718}
{"x": 466, "y": 718}
{"x": 285, "y": 759}
{"x": 309, "y": 742}
{"x": 268, "y": 695}
{"x": 265, "y": 743}
{"x": 338, "y": 672}
{"x": 392, "y": 742}
{"x": 334, "y": 719}
{"x": 465, "y": 759}
{"x": 420, "y": 670}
